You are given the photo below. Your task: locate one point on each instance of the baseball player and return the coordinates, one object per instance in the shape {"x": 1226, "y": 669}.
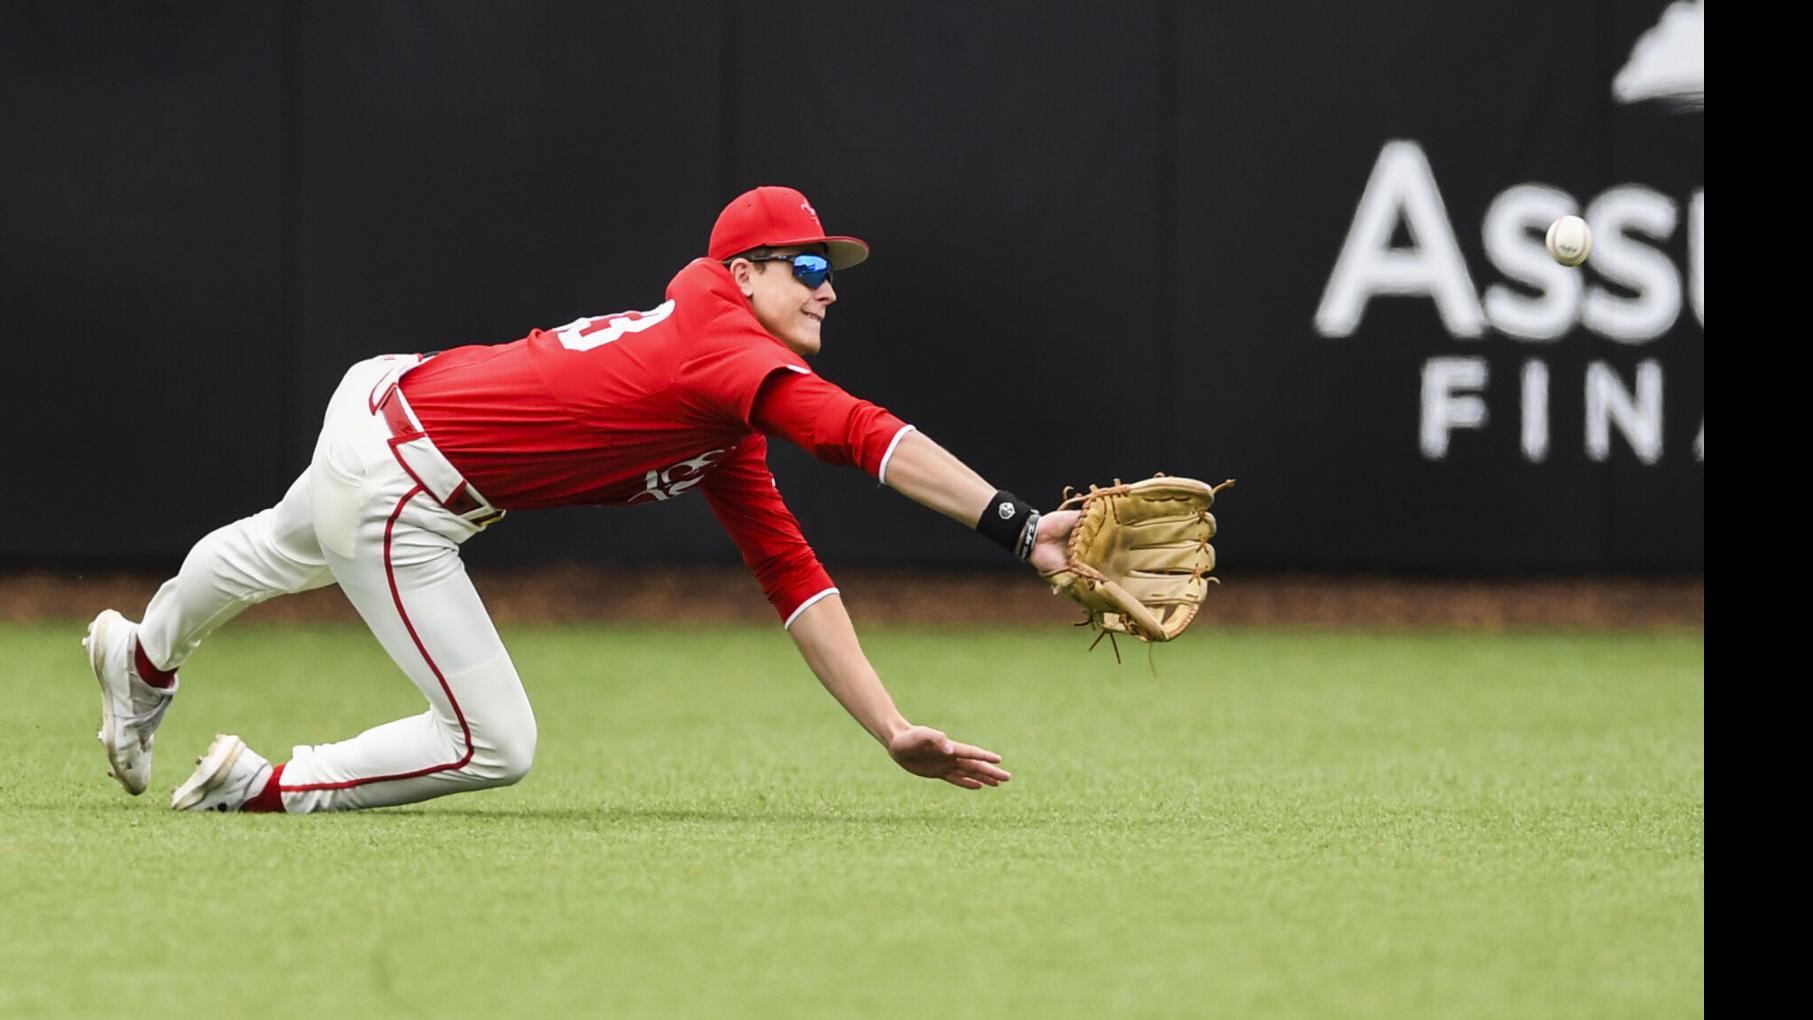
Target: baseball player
{"x": 420, "y": 452}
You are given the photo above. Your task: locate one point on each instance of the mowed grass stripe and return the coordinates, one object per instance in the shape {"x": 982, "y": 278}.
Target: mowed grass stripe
{"x": 1277, "y": 823}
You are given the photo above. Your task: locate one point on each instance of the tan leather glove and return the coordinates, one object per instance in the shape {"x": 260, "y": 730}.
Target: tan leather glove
{"x": 1139, "y": 556}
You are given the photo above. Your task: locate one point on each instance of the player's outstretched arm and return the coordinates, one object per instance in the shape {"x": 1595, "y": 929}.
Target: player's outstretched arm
{"x": 932, "y": 476}
{"x": 829, "y": 423}
{"x": 827, "y": 641}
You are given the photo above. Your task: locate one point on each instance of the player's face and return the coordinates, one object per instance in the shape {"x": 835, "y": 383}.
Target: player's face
{"x": 788, "y": 309}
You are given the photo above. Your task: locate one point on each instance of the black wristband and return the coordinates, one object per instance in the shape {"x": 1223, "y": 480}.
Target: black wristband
{"x": 1010, "y": 523}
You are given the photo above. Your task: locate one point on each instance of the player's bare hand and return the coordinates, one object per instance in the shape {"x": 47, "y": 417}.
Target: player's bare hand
{"x": 927, "y": 752}
{"x": 1051, "y": 550}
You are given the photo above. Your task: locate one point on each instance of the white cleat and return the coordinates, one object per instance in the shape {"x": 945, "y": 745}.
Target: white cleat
{"x": 225, "y": 778}
{"x": 130, "y": 708}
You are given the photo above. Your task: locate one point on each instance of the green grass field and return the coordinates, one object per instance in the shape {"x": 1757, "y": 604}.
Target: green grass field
{"x": 1277, "y": 825}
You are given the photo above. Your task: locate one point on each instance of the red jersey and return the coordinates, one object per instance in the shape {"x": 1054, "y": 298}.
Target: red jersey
{"x": 645, "y": 406}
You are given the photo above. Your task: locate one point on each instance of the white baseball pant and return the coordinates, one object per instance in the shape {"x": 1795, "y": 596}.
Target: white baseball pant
{"x": 358, "y": 517}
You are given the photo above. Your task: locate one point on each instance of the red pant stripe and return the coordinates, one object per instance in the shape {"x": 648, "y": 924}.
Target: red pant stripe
{"x": 397, "y": 597}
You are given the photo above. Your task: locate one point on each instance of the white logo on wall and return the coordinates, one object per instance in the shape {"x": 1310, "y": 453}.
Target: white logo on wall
{"x": 1669, "y": 61}
{"x": 1629, "y": 221}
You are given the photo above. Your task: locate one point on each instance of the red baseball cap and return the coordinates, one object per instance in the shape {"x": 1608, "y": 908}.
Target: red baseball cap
{"x": 776, "y": 217}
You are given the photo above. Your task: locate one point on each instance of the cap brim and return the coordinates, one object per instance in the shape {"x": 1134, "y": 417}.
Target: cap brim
{"x": 843, "y": 252}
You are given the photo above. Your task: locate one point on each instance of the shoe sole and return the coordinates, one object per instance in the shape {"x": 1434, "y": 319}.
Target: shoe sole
{"x": 210, "y": 771}
{"x": 95, "y": 642}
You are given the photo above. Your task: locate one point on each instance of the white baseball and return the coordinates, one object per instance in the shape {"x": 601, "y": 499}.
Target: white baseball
{"x": 1570, "y": 240}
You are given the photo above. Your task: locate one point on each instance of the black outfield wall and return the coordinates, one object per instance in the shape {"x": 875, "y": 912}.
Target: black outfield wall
{"x": 1295, "y": 243}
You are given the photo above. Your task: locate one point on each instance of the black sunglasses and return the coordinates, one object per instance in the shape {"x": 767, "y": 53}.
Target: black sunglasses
{"x": 809, "y": 269}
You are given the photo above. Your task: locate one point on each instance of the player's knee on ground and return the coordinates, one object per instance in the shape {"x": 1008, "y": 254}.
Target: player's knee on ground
{"x": 503, "y": 749}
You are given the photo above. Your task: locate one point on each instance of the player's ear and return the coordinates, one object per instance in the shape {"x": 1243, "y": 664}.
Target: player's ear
{"x": 740, "y": 271}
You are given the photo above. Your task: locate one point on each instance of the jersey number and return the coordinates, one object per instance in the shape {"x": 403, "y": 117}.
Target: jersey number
{"x": 585, "y": 334}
